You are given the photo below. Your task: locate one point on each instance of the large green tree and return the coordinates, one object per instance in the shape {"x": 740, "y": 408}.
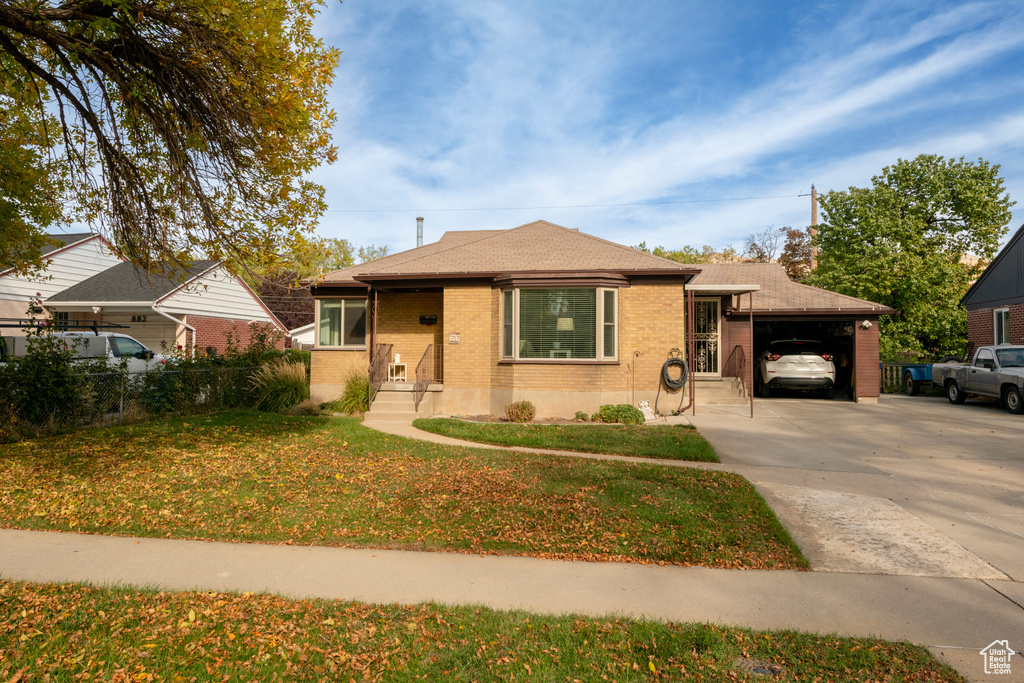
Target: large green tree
{"x": 174, "y": 127}
{"x": 907, "y": 242}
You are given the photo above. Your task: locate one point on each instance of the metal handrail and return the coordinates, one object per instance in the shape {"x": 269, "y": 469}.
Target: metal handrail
{"x": 379, "y": 368}
{"x": 738, "y": 360}
{"x": 428, "y": 371}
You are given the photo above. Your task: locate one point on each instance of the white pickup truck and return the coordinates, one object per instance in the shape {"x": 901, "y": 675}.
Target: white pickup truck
{"x": 995, "y": 372}
{"x": 112, "y": 346}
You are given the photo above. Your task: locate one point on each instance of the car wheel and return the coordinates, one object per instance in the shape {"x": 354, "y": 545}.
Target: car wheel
{"x": 763, "y": 390}
{"x": 955, "y": 395}
{"x": 951, "y": 359}
{"x": 1013, "y": 401}
{"x": 911, "y": 387}
{"x": 829, "y": 392}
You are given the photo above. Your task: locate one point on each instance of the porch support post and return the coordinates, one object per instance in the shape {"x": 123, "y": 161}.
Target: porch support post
{"x": 750, "y": 363}
{"x": 373, "y": 325}
{"x": 691, "y": 351}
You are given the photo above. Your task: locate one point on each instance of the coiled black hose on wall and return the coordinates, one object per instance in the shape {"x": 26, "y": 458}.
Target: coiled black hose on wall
{"x": 673, "y": 385}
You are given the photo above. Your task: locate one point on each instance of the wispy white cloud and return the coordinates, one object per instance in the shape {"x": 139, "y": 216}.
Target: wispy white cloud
{"x": 530, "y": 110}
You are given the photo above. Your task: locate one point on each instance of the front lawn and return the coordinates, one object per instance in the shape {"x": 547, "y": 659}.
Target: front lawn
{"x": 676, "y": 442}
{"x": 73, "y": 632}
{"x": 263, "y": 477}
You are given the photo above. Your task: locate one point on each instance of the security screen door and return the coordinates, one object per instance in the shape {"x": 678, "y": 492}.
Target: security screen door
{"x": 707, "y": 337}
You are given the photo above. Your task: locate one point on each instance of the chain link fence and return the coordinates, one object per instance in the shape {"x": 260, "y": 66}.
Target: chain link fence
{"x": 32, "y": 403}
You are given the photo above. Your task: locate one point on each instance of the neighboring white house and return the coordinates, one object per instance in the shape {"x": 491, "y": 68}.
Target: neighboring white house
{"x": 207, "y": 307}
{"x": 303, "y": 337}
{"x": 77, "y": 258}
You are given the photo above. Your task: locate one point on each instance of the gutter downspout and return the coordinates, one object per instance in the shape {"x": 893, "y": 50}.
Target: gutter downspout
{"x": 178, "y": 322}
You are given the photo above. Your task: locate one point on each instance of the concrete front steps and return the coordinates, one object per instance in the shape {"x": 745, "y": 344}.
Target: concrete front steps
{"x": 395, "y": 403}
{"x": 720, "y": 391}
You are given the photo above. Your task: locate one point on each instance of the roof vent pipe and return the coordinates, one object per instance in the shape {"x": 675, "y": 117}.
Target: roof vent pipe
{"x": 419, "y": 231}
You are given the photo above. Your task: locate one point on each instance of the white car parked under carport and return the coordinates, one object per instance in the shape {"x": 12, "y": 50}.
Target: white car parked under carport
{"x": 802, "y": 364}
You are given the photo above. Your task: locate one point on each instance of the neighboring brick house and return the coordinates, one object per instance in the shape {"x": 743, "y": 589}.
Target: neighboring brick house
{"x": 995, "y": 302}
{"x": 206, "y": 308}
{"x": 77, "y": 257}
{"x": 563, "y": 319}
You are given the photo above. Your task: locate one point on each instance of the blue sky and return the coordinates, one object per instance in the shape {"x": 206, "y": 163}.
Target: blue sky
{"x": 670, "y": 122}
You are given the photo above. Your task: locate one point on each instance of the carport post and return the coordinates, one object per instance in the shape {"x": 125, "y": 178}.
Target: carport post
{"x": 750, "y": 365}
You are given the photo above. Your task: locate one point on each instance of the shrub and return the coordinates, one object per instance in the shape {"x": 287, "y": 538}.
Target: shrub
{"x": 581, "y": 416}
{"x": 520, "y": 411}
{"x": 279, "y": 385}
{"x": 624, "y": 413}
{"x": 307, "y": 407}
{"x": 355, "y": 400}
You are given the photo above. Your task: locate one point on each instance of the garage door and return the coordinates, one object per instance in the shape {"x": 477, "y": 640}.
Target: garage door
{"x": 835, "y": 335}
{"x": 147, "y": 331}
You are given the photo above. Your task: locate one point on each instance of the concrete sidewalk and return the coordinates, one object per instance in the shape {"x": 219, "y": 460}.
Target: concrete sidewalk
{"x": 954, "y": 617}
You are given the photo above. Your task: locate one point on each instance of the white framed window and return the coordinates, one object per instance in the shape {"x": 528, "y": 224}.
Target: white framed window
{"x": 341, "y": 323}
{"x": 559, "y": 323}
{"x": 1001, "y": 323}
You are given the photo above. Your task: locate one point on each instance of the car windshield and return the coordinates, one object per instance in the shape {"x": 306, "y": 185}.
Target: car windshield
{"x": 1010, "y": 358}
{"x": 797, "y": 348}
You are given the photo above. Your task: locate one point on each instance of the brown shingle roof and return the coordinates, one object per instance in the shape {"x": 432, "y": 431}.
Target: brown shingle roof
{"x": 545, "y": 247}
{"x": 538, "y": 247}
{"x": 778, "y": 292}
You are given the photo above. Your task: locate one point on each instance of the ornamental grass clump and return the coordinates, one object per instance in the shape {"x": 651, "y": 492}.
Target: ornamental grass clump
{"x": 355, "y": 400}
{"x": 520, "y": 411}
{"x": 279, "y": 385}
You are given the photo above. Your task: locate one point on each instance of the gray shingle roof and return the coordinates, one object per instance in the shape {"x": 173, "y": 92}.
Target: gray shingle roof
{"x": 66, "y": 240}
{"x": 124, "y": 282}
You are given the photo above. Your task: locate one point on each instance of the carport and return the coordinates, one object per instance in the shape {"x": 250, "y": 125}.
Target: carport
{"x": 784, "y": 309}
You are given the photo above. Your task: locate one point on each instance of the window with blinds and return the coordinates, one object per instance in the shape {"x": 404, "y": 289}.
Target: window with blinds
{"x": 559, "y": 324}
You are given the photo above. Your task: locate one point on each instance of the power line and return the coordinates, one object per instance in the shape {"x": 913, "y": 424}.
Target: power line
{"x": 568, "y": 206}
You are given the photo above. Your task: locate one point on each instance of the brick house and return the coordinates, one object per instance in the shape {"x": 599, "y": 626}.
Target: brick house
{"x": 201, "y": 310}
{"x": 995, "y": 302}
{"x": 566, "y": 320}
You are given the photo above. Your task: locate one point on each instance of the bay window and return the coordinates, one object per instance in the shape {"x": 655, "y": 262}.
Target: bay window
{"x": 341, "y": 323}
{"x": 559, "y": 324}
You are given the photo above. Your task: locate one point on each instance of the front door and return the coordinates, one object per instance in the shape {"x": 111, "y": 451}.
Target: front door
{"x": 707, "y": 337}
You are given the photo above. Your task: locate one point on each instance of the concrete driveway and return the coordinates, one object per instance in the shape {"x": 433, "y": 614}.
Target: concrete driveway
{"x": 910, "y": 486}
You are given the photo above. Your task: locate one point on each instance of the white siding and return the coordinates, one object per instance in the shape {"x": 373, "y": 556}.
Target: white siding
{"x": 67, "y": 268}
{"x": 219, "y": 295}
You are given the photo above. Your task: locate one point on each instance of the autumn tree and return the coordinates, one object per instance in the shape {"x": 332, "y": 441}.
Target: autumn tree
{"x": 764, "y": 246}
{"x": 284, "y": 284}
{"x": 689, "y": 254}
{"x": 797, "y": 255}
{"x": 903, "y": 241}
{"x": 177, "y": 128}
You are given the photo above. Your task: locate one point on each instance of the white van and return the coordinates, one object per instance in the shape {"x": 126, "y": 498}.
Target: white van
{"x": 113, "y": 346}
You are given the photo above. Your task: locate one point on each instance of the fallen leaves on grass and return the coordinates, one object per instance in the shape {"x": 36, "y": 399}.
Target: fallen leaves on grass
{"x": 73, "y": 632}
{"x": 265, "y": 478}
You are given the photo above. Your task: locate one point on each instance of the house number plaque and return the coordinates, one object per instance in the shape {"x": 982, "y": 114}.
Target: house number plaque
{"x": 453, "y": 338}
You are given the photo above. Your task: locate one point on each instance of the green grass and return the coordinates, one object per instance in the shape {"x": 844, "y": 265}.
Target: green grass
{"x": 677, "y": 442}
{"x": 74, "y": 632}
{"x": 264, "y": 477}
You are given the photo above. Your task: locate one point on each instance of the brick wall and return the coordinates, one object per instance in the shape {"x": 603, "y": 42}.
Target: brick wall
{"x": 867, "y": 376}
{"x": 215, "y": 332}
{"x": 981, "y": 325}
{"x": 332, "y": 366}
{"x": 650, "y": 321}
{"x": 398, "y": 323}
{"x": 469, "y": 312}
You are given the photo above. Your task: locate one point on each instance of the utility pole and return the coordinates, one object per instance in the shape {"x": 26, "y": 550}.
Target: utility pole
{"x": 814, "y": 227}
